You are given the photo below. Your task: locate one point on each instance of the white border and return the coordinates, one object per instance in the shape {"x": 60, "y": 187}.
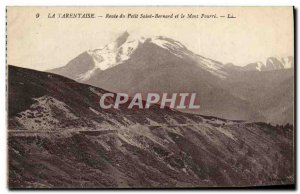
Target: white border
{"x": 4, "y": 3}
{"x": 152, "y": 2}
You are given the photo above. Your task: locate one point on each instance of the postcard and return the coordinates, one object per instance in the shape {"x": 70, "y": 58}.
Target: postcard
{"x": 150, "y": 97}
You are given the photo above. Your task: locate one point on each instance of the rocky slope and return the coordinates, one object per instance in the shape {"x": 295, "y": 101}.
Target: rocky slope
{"x": 59, "y": 137}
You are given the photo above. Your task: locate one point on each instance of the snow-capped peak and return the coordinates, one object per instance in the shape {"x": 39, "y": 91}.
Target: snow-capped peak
{"x": 123, "y": 47}
{"x": 126, "y": 44}
{"x": 272, "y": 63}
{"x": 173, "y": 46}
{"x": 116, "y": 52}
{"x": 112, "y": 54}
{"x": 178, "y": 49}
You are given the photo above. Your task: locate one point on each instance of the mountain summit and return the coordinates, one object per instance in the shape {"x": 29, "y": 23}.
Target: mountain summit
{"x": 272, "y": 63}
{"x": 83, "y": 67}
{"x": 116, "y": 52}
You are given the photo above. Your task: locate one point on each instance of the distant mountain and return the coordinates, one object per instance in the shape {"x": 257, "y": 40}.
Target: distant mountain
{"x": 59, "y": 137}
{"x": 272, "y": 63}
{"x": 123, "y": 49}
{"x": 271, "y": 93}
{"x": 160, "y": 64}
{"x": 269, "y": 87}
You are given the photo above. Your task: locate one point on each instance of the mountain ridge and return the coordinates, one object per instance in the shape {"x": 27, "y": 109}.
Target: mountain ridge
{"x": 271, "y": 64}
{"x": 160, "y": 64}
{"x": 125, "y": 45}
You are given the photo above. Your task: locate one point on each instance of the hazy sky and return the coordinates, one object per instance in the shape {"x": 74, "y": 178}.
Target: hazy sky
{"x": 43, "y": 43}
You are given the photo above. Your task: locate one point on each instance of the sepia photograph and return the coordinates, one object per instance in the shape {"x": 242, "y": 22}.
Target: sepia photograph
{"x": 157, "y": 97}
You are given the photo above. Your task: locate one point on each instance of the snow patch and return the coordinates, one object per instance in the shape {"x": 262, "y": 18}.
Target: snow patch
{"x": 87, "y": 75}
{"x": 287, "y": 62}
{"x": 259, "y": 66}
{"x": 211, "y": 66}
{"x": 115, "y": 52}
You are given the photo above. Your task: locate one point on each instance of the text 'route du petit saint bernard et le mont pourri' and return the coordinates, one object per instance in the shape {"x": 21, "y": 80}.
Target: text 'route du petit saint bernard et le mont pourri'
{"x": 129, "y": 15}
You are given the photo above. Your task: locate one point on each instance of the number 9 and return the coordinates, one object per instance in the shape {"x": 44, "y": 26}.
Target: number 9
{"x": 37, "y": 15}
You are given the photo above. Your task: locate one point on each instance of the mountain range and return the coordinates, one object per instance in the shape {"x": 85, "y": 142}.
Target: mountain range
{"x": 259, "y": 91}
{"x": 59, "y": 137}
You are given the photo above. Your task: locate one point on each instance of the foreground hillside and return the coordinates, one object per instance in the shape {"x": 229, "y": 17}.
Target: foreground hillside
{"x": 60, "y": 137}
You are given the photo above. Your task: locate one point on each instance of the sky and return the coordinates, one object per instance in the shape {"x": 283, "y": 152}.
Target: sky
{"x": 44, "y": 43}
